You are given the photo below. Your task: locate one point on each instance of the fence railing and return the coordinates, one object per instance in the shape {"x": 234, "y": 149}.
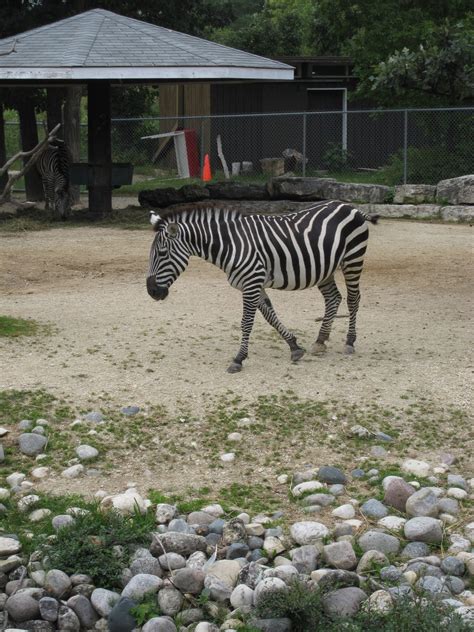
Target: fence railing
{"x": 391, "y": 146}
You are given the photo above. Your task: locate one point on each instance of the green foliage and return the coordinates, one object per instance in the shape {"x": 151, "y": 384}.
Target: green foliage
{"x": 14, "y": 327}
{"x": 87, "y": 546}
{"x": 145, "y": 610}
{"x": 336, "y": 158}
{"x": 427, "y": 165}
{"x": 301, "y": 603}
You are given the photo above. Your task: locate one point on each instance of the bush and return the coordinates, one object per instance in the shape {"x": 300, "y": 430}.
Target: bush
{"x": 336, "y": 158}
{"x": 428, "y": 165}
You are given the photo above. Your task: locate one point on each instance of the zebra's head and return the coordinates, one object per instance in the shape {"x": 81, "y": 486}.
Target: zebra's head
{"x": 62, "y": 203}
{"x": 168, "y": 257}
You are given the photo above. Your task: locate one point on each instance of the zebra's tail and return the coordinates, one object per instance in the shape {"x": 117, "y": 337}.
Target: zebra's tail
{"x": 373, "y": 219}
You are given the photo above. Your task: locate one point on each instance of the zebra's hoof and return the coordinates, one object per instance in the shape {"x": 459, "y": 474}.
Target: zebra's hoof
{"x": 297, "y": 354}
{"x": 235, "y": 367}
{"x": 349, "y": 349}
{"x": 318, "y": 348}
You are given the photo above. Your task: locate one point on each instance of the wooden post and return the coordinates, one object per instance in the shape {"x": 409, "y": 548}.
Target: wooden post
{"x": 29, "y": 139}
{"x": 100, "y": 148}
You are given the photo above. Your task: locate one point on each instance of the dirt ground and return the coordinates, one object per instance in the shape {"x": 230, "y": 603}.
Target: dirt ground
{"x": 108, "y": 336}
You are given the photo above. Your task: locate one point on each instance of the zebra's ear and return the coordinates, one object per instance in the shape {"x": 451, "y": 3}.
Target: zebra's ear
{"x": 172, "y": 229}
{"x": 154, "y": 219}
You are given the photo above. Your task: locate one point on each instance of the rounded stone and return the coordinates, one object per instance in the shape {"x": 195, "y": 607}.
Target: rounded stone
{"x": 147, "y": 565}
{"x": 370, "y": 559}
{"x": 415, "y": 549}
{"x": 130, "y": 410}
{"x": 94, "y": 417}
{"x": 242, "y": 597}
{"x": 189, "y": 580}
{"x": 379, "y": 602}
{"x": 344, "y": 602}
{"x": 383, "y": 542}
{"x": 453, "y": 566}
{"x": 340, "y": 555}
{"x": 165, "y": 512}
{"x": 73, "y": 472}
{"x": 397, "y": 492}
{"x": 424, "y": 502}
{"x": 171, "y": 561}
{"x": 9, "y": 546}
{"x": 268, "y": 585}
{"x": 87, "y": 452}
{"x": 31, "y": 444}
{"x": 308, "y": 532}
{"x": 62, "y": 520}
{"x": 22, "y": 607}
{"x": 374, "y": 509}
{"x": 159, "y": 624}
{"x": 141, "y": 585}
{"x": 170, "y": 601}
{"x": 57, "y": 583}
{"x": 48, "y": 608}
{"x": 424, "y": 529}
{"x": 306, "y": 487}
{"x": 104, "y": 600}
{"x": 345, "y": 512}
{"x": 392, "y": 523}
{"x": 84, "y": 610}
{"x": 331, "y": 475}
{"x": 417, "y": 468}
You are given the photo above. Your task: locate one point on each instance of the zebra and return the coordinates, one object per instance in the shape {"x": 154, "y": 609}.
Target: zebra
{"x": 53, "y": 166}
{"x": 291, "y": 251}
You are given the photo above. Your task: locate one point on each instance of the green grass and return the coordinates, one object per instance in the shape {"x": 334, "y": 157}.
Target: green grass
{"x": 14, "y": 327}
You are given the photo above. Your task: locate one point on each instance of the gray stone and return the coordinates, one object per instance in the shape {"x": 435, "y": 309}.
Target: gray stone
{"x": 170, "y": 601}
{"x": 344, "y": 602}
{"x": 254, "y": 542}
{"x": 448, "y": 506}
{"x": 48, "y": 608}
{"x": 25, "y": 424}
{"x": 38, "y": 430}
{"x": 337, "y": 579}
{"x": 141, "y": 585}
{"x": 375, "y": 540}
{"x": 457, "y": 213}
{"x": 378, "y": 451}
{"x": 424, "y": 529}
{"x": 104, "y": 600}
{"x": 370, "y": 559}
{"x": 319, "y": 499}
{"x": 403, "y": 592}
{"x": 94, "y": 416}
{"x": 454, "y": 584}
{"x": 308, "y": 532}
{"x": 455, "y": 480}
{"x": 236, "y": 550}
{"x": 453, "y": 566}
{"x": 22, "y": 607}
{"x": 171, "y": 561}
{"x": 147, "y": 565}
{"x": 120, "y": 619}
{"x": 422, "y": 568}
{"x": 200, "y": 518}
{"x": 456, "y": 190}
{"x": 305, "y": 558}
{"x": 57, "y": 583}
{"x": 9, "y": 546}
{"x": 238, "y": 191}
{"x": 357, "y": 473}
{"x": 179, "y": 525}
{"x": 62, "y": 520}
{"x": 374, "y": 509}
{"x": 415, "y": 211}
{"x": 31, "y": 444}
{"x": 159, "y": 624}
{"x": 424, "y": 502}
{"x": 340, "y": 555}
{"x": 430, "y": 584}
{"x": 397, "y": 493}
{"x": 130, "y": 410}
{"x": 272, "y": 625}
{"x": 336, "y": 490}
{"x": 68, "y": 620}
{"x": 331, "y": 475}
{"x": 165, "y": 513}
{"x": 390, "y": 574}
{"x": 174, "y": 542}
{"x": 415, "y": 549}
{"x": 87, "y": 452}
{"x": 414, "y": 194}
{"x": 306, "y": 475}
{"x": 84, "y": 610}
{"x": 189, "y": 580}
{"x": 217, "y": 526}
{"x": 191, "y": 615}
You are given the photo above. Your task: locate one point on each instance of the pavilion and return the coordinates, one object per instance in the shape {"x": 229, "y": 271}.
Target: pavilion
{"x": 100, "y": 49}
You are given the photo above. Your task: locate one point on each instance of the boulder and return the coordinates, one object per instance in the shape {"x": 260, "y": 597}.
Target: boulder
{"x": 298, "y": 188}
{"x": 456, "y": 190}
{"x": 344, "y": 602}
{"x": 414, "y": 194}
{"x": 237, "y": 191}
{"x": 161, "y": 198}
{"x": 457, "y": 213}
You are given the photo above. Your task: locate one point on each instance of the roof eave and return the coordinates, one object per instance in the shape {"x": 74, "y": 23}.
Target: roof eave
{"x": 151, "y": 73}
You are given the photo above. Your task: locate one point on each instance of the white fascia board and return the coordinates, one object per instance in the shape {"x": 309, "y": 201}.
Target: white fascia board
{"x": 151, "y": 73}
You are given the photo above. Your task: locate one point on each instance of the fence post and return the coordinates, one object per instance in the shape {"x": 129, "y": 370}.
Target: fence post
{"x": 304, "y": 145}
{"x": 405, "y": 146}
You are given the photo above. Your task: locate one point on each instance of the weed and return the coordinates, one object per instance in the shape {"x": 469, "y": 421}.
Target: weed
{"x": 145, "y": 610}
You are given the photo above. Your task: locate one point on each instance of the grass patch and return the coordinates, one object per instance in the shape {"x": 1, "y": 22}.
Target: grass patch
{"x": 14, "y": 327}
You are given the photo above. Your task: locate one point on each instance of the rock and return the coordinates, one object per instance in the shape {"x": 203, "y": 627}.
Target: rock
{"x": 390, "y": 574}
{"x": 340, "y": 555}
{"x": 331, "y": 475}
{"x": 130, "y": 410}
{"x": 9, "y": 546}
{"x": 375, "y": 540}
{"x": 424, "y": 529}
{"x": 305, "y": 558}
{"x": 226, "y": 571}
{"x": 344, "y": 602}
{"x": 170, "y": 601}
{"x": 73, "y": 472}
{"x": 308, "y": 532}
{"x": 242, "y": 597}
{"x": 271, "y": 625}
{"x": 84, "y": 611}
{"x": 141, "y": 585}
{"x": 165, "y": 513}
{"x": 331, "y": 579}
{"x": 414, "y": 194}
{"x": 392, "y": 523}
{"x": 455, "y": 480}
{"x": 345, "y": 512}
{"x": 379, "y": 602}
{"x": 31, "y": 444}
{"x": 40, "y": 472}
{"x": 430, "y": 584}
{"x": 448, "y": 506}
{"x": 62, "y": 520}
{"x": 370, "y": 559}
{"x": 57, "y": 583}
{"x": 374, "y": 509}
{"x": 86, "y": 452}
{"x": 457, "y": 213}
{"x": 423, "y": 503}
{"x": 228, "y": 457}
{"x": 319, "y": 499}
{"x": 94, "y": 416}
{"x": 189, "y": 580}
{"x": 104, "y": 600}
{"x": 415, "y": 549}
{"x": 458, "y": 544}
{"x": 159, "y": 624}
{"x": 173, "y": 542}
{"x": 68, "y": 620}
{"x": 456, "y": 190}
{"x": 273, "y": 546}
{"x": 417, "y": 468}
{"x": 48, "y": 608}
{"x": 457, "y": 493}
{"x": 306, "y": 487}
{"x": 268, "y": 585}
{"x": 22, "y": 607}
{"x": 146, "y": 565}
{"x": 397, "y": 492}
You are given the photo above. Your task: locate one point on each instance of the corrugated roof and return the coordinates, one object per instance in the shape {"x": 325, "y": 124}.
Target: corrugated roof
{"x": 99, "y": 44}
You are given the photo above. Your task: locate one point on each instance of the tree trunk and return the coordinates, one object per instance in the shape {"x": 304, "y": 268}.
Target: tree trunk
{"x": 54, "y": 102}
{"x": 3, "y": 149}
{"x": 29, "y": 139}
{"x": 72, "y": 130}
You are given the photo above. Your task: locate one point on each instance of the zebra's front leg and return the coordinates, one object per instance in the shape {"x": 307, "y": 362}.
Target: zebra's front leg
{"x": 251, "y": 299}
{"x": 268, "y": 312}
{"x": 332, "y": 300}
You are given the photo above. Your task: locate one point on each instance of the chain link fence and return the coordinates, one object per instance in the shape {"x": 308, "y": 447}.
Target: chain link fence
{"x": 385, "y": 146}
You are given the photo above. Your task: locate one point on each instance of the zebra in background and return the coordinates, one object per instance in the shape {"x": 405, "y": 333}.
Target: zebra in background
{"x": 53, "y": 166}
{"x": 292, "y": 251}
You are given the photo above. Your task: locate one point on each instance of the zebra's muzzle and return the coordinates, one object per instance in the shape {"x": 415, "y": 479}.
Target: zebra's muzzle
{"x": 156, "y": 292}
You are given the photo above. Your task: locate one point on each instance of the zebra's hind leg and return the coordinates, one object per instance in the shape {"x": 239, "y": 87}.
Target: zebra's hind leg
{"x": 352, "y": 277}
{"x": 268, "y": 312}
{"x": 251, "y": 299}
{"x": 332, "y": 300}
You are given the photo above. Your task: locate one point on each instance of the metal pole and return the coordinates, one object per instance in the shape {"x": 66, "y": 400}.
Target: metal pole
{"x": 304, "y": 145}
{"x": 405, "y": 146}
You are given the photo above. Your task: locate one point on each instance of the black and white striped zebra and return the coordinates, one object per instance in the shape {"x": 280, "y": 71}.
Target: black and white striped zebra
{"x": 292, "y": 251}
{"x": 53, "y": 166}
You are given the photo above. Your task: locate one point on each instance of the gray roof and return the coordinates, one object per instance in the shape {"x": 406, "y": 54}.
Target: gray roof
{"x": 99, "y": 44}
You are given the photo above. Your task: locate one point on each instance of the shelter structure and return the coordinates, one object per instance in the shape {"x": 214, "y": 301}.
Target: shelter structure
{"x": 100, "y": 49}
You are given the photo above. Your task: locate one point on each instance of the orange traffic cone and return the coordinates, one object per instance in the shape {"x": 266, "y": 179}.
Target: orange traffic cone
{"x": 206, "y": 170}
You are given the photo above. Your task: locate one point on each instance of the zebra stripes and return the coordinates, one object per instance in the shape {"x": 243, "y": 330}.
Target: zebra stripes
{"x": 53, "y": 166}
{"x": 292, "y": 251}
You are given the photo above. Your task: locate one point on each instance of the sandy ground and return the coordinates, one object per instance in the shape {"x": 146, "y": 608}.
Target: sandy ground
{"x": 108, "y": 336}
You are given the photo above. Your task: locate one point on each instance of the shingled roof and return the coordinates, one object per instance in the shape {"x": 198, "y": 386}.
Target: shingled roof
{"x": 99, "y": 44}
